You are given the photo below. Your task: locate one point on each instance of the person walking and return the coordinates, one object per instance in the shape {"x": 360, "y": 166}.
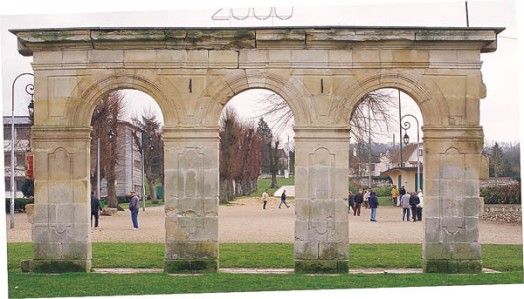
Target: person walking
{"x": 351, "y": 202}
{"x": 133, "y": 207}
{"x": 373, "y": 205}
{"x": 283, "y": 199}
{"x": 413, "y": 202}
{"x": 265, "y": 196}
{"x": 95, "y": 209}
{"x": 366, "y": 198}
{"x": 359, "y": 198}
{"x": 394, "y": 195}
{"x": 420, "y": 205}
{"x": 404, "y": 203}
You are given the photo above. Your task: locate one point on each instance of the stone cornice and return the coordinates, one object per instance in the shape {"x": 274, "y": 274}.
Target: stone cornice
{"x": 30, "y": 40}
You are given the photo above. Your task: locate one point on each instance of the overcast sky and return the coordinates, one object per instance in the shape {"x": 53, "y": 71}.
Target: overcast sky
{"x": 499, "y": 110}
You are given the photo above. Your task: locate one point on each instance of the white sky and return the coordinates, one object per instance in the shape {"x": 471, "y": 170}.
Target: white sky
{"x": 499, "y": 113}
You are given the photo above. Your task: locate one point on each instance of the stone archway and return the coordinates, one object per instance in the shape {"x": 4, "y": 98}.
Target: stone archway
{"x": 321, "y": 72}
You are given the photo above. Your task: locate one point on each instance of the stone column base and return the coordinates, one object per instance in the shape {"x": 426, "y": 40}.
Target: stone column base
{"x": 321, "y": 266}
{"x": 452, "y": 266}
{"x": 56, "y": 266}
{"x": 184, "y": 266}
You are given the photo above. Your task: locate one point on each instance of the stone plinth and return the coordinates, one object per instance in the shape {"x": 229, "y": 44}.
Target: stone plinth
{"x": 191, "y": 199}
{"x": 321, "y": 225}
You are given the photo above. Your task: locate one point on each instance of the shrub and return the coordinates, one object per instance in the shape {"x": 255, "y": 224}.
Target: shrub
{"x": 383, "y": 191}
{"x": 503, "y": 194}
{"x": 19, "y": 204}
{"x": 124, "y": 199}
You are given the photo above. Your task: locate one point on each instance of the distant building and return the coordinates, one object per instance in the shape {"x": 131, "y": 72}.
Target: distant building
{"x": 22, "y": 147}
{"x": 129, "y": 166}
{"x": 406, "y": 175}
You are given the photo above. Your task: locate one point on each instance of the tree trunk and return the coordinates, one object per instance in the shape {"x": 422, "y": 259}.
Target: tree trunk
{"x": 112, "y": 200}
{"x": 274, "y": 179}
{"x": 223, "y": 192}
{"x": 151, "y": 187}
{"x": 230, "y": 190}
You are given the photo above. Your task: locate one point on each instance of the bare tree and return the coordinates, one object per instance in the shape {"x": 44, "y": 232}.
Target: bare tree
{"x": 273, "y": 162}
{"x": 240, "y": 156}
{"x": 148, "y": 140}
{"x": 104, "y": 123}
{"x": 380, "y": 102}
{"x": 230, "y": 130}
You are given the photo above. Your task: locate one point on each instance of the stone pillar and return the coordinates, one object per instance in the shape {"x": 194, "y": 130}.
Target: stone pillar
{"x": 191, "y": 193}
{"x": 321, "y": 183}
{"x": 61, "y": 224}
{"x": 451, "y": 199}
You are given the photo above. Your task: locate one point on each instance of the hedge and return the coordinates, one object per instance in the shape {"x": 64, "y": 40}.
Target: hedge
{"x": 502, "y": 194}
{"x": 19, "y": 204}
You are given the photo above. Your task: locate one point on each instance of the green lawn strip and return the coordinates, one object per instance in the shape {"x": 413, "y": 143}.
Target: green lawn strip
{"x": 86, "y": 284}
{"x": 502, "y": 257}
{"x": 264, "y": 183}
{"x": 272, "y": 255}
{"x": 149, "y": 204}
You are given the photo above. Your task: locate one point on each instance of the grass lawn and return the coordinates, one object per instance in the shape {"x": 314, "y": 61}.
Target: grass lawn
{"x": 507, "y": 258}
{"x": 149, "y": 204}
{"x": 264, "y": 184}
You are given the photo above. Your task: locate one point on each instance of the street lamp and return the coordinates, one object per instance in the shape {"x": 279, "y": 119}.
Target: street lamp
{"x": 30, "y": 90}
{"x": 405, "y": 138}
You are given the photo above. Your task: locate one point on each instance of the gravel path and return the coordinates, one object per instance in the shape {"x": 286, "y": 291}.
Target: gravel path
{"x": 245, "y": 221}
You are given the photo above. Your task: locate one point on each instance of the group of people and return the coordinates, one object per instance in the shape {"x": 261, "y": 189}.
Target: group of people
{"x": 96, "y": 208}
{"x": 410, "y": 202}
{"x": 265, "y": 198}
{"x": 366, "y": 197}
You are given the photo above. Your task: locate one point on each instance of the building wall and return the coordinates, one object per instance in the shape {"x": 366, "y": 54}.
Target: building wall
{"x": 22, "y": 147}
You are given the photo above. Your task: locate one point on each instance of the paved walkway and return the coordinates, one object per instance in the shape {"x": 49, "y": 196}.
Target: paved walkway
{"x": 245, "y": 221}
{"x": 271, "y": 271}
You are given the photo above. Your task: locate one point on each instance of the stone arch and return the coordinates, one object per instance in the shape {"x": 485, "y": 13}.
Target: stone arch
{"x": 90, "y": 93}
{"x": 427, "y": 95}
{"x": 295, "y": 95}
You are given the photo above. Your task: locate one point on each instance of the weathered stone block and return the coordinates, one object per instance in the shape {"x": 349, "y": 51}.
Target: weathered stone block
{"x": 56, "y": 266}
{"x": 466, "y": 251}
{"x": 178, "y": 266}
{"x": 470, "y": 266}
{"x": 223, "y": 59}
{"x": 320, "y": 266}
{"x": 435, "y": 251}
{"x": 144, "y": 56}
{"x": 432, "y": 229}
{"x": 180, "y": 250}
{"x": 107, "y": 56}
{"x": 471, "y": 207}
{"x": 253, "y": 58}
{"x": 435, "y": 266}
{"x": 306, "y": 250}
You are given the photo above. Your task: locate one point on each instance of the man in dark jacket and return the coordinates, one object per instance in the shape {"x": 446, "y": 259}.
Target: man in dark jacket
{"x": 413, "y": 202}
{"x": 351, "y": 202}
{"x": 373, "y": 205}
{"x": 95, "y": 208}
{"x": 402, "y": 191}
{"x": 133, "y": 207}
{"x": 283, "y": 199}
{"x": 359, "y": 198}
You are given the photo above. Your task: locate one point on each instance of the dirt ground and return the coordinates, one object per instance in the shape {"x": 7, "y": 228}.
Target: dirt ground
{"x": 245, "y": 221}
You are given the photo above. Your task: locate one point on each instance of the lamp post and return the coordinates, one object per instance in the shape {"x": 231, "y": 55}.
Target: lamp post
{"x": 406, "y": 125}
{"x": 30, "y": 90}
